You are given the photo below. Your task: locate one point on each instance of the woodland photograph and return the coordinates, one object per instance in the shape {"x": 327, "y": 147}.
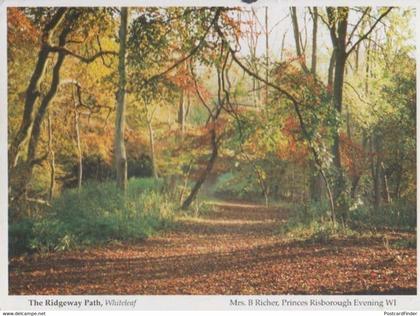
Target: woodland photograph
{"x": 211, "y": 150}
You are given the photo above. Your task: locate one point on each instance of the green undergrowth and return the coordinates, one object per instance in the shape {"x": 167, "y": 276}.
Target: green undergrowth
{"x": 97, "y": 214}
{"x": 312, "y": 222}
{"x": 400, "y": 215}
{"x": 410, "y": 242}
{"x": 199, "y": 208}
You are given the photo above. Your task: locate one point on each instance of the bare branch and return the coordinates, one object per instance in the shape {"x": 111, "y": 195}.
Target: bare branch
{"x": 369, "y": 31}
{"x": 84, "y": 59}
{"x": 357, "y": 25}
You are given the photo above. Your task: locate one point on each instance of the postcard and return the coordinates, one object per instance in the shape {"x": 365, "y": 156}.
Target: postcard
{"x": 209, "y": 155}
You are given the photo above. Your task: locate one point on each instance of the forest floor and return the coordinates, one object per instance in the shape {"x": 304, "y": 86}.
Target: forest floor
{"x": 236, "y": 249}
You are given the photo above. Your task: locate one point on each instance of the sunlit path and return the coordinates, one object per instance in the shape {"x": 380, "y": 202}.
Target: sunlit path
{"x": 234, "y": 250}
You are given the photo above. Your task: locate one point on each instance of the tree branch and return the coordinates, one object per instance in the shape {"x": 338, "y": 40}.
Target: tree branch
{"x": 193, "y": 51}
{"x": 357, "y": 25}
{"x": 369, "y": 31}
{"x": 84, "y": 59}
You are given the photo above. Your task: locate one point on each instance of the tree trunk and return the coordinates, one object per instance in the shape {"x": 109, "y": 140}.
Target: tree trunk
{"x": 282, "y": 46}
{"x": 331, "y": 71}
{"x": 46, "y": 101}
{"x": 354, "y": 183}
{"x": 206, "y": 172}
{"x": 186, "y": 177}
{"x": 20, "y": 179}
{"x": 387, "y": 195}
{"x": 181, "y": 113}
{"x": 79, "y": 149}
{"x": 296, "y": 33}
{"x": 314, "y": 40}
{"x": 398, "y": 181}
{"x": 339, "y": 42}
{"x": 152, "y": 149}
{"x": 315, "y": 179}
{"x": 376, "y": 171}
{"x": 266, "y": 56}
{"x": 33, "y": 90}
{"x": 52, "y": 159}
{"x": 120, "y": 153}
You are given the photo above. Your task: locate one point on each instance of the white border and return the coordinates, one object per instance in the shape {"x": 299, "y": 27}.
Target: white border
{"x": 167, "y": 302}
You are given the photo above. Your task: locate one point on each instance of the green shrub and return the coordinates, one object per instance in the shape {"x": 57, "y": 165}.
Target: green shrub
{"x": 312, "y": 222}
{"x": 405, "y": 243}
{"x": 20, "y": 237}
{"x": 396, "y": 215}
{"x": 199, "y": 208}
{"x": 98, "y": 214}
{"x": 231, "y": 184}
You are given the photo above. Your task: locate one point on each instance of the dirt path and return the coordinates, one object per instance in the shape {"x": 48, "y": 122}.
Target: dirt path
{"x": 234, "y": 250}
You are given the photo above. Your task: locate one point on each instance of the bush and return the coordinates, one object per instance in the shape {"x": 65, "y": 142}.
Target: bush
{"x": 98, "y": 214}
{"x": 312, "y": 222}
{"x": 396, "y": 215}
{"x": 20, "y": 237}
{"x": 238, "y": 186}
{"x": 405, "y": 243}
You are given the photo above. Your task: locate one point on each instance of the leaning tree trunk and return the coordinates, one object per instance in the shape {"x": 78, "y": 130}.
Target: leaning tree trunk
{"x": 79, "y": 149}
{"x": 120, "y": 153}
{"x": 206, "y": 172}
{"x": 152, "y": 148}
{"x": 20, "y": 178}
{"x": 52, "y": 159}
{"x": 387, "y": 195}
{"x": 33, "y": 89}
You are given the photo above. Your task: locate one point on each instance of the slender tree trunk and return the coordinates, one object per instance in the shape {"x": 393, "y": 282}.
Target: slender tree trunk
{"x": 282, "y": 46}
{"x": 398, "y": 179}
{"x": 314, "y": 40}
{"x": 266, "y": 55}
{"x": 293, "y": 182}
{"x": 296, "y": 33}
{"x": 186, "y": 177}
{"x": 331, "y": 68}
{"x": 52, "y": 159}
{"x": 315, "y": 179}
{"x": 152, "y": 148}
{"x": 215, "y": 148}
{"x": 376, "y": 171}
{"x": 181, "y": 113}
{"x": 79, "y": 149}
{"x": 387, "y": 195}
{"x": 120, "y": 153}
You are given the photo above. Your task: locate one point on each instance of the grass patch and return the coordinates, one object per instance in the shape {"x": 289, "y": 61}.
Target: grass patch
{"x": 312, "y": 222}
{"x": 400, "y": 215}
{"x": 199, "y": 208}
{"x": 409, "y": 243}
{"x": 98, "y": 214}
